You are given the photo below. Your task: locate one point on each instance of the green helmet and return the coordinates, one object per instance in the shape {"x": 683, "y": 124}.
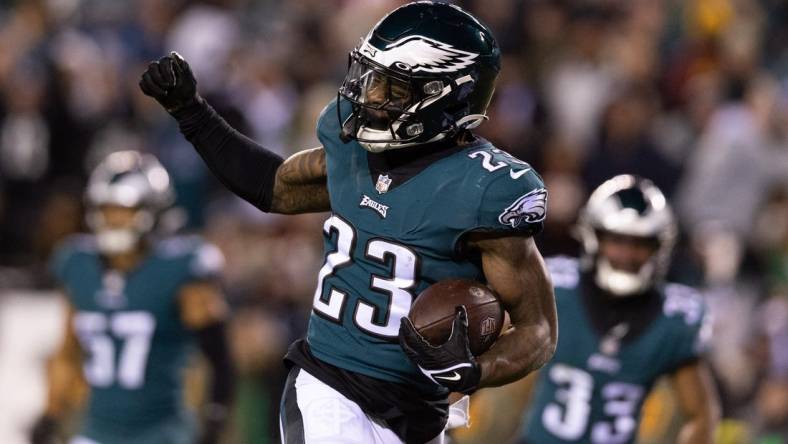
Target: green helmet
{"x": 425, "y": 72}
{"x": 128, "y": 179}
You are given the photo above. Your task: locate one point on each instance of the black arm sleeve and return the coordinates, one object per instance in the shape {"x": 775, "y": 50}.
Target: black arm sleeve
{"x": 244, "y": 167}
{"x": 214, "y": 347}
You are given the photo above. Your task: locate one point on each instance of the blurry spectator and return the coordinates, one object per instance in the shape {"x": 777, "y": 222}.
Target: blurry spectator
{"x": 625, "y": 145}
{"x": 579, "y": 86}
{"x": 206, "y": 34}
{"x": 772, "y": 396}
{"x": 728, "y": 178}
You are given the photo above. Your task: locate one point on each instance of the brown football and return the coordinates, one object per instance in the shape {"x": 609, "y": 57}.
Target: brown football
{"x": 434, "y": 310}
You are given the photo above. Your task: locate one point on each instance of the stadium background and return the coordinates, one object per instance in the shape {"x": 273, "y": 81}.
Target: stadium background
{"x": 692, "y": 94}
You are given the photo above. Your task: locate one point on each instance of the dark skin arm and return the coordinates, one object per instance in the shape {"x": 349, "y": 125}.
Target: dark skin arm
{"x": 300, "y": 184}
{"x": 514, "y": 268}
{"x": 64, "y": 371}
{"x": 697, "y": 399}
{"x": 201, "y": 304}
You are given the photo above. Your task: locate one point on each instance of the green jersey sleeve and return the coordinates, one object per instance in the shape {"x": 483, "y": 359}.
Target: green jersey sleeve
{"x": 63, "y": 259}
{"x": 692, "y": 324}
{"x": 193, "y": 259}
{"x": 514, "y": 201}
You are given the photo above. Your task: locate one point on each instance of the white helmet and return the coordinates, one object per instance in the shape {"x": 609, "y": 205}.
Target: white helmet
{"x": 630, "y": 206}
{"x": 132, "y": 180}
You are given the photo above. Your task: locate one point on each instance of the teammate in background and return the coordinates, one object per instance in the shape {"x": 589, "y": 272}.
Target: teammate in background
{"x": 136, "y": 307}
{"x": 622, "y": 327}
{"x": 414, "y": 197}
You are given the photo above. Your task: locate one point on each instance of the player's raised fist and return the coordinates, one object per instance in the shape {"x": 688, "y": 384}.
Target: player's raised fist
{"x": 170, "y": 81}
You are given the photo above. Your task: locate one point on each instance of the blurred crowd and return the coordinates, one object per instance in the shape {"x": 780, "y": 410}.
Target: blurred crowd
{"x": 692, "y": 94}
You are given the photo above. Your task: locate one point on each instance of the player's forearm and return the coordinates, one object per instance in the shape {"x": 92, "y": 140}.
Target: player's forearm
{"x": 698, "y": 401}
{"x": 244, "y": 167}
{"x": 213, "y": 344}
{"x": 216, "y": 411}
{"x": 64, "y": 376}
{"x": 516, "y": 271}
{"x": 300, "y": 185}
{"x": 698, "y": 430}
{"x": 517, "y": 353}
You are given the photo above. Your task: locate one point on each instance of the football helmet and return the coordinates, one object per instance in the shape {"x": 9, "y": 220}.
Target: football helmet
{"x": 127, "y": 179}
{"x": 424, "y": 72}
{"x": 631, "y": 206}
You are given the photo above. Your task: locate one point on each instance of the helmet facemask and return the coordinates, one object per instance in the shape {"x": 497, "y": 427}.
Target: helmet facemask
{"x": 387, "y": 105}
{"x": 620, "y": 279}
{"x": 113, "y": 240}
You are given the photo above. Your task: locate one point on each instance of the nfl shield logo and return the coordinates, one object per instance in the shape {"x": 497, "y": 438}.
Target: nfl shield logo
{"x": 383, "y": 183}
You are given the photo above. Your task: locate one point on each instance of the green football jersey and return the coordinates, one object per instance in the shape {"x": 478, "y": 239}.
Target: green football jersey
{"x": 128, "y": 325}
{"x": 385, "y": 245}
{"x": 593, "y": 389}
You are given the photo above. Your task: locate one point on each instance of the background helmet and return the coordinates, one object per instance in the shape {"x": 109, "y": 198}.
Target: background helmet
{"x": 426, "y": 71}
{"x": 632, "y": 206}
{"x": 132, "y": 180}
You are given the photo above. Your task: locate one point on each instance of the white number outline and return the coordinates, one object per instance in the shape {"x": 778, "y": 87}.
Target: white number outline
{"x": 397, "y": 288}
{"x": 488, "y": 165}
{"x": 332, "y": 306}
{"x": 620, "y": 401}
{"x": 567, "y": 417}
{"x": 569, "y": 421}
{"x": 95, "y": 331}
{"x": 487, "y": 161}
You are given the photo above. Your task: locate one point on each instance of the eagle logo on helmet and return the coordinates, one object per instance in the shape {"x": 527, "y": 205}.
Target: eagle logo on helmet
{"x": 417, "y": 53}
{"x": 529, "y": 208}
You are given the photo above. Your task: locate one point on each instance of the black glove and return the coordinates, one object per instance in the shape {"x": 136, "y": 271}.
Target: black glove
{"x": 170, "y": 81}
{"x": 452, "y": 364}
{"x": 44, "y": 430}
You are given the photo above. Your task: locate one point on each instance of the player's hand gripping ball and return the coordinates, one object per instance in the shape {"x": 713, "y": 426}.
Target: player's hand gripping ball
{"x": 449, "y": 324}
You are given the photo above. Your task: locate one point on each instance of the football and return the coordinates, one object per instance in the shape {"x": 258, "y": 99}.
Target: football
{"x": 433, "y": 312}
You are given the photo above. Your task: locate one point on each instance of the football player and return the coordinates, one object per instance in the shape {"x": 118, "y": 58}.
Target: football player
{"x": 414, "y": 197}
{"x": 136, "y": 306}
{"x": 622, "y": 328}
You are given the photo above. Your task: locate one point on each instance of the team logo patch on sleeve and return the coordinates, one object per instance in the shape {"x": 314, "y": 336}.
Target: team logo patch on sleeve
{"x": 527, "y": 209}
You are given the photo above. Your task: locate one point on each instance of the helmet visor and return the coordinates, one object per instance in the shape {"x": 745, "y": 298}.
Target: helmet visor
{"x": 382, "y": 97}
